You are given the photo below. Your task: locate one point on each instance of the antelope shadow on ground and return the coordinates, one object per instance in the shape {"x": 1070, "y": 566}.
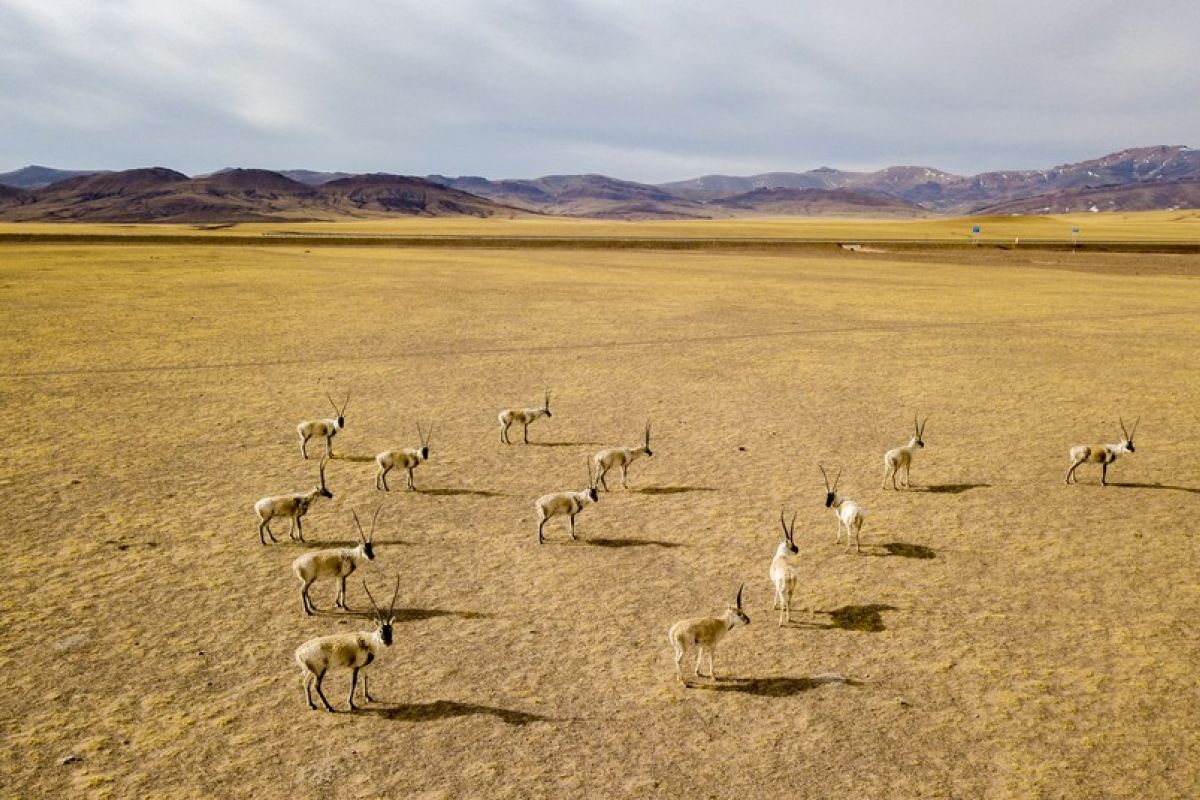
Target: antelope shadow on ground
{"x": 1191, "y": 489}
{"x": 903, "y": 550}
{"x": 400, "y": 614}
{"x": 949, "y": 488}
{"x": 865, "y": 619}
{"x": 445, "y": 709}
{"x": 672, "y": 489}
{"x": 771, "y": 687}
{"x": 453, "y": 492}
{"x": 562, "y": 444}
{"x": 603, "y": 542}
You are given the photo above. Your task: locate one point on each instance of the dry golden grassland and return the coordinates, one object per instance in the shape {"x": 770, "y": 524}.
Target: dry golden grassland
{"x": 1001, "y": 634}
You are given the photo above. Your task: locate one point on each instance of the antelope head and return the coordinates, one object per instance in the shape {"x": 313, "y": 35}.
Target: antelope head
{"x": 919, "y": 431}
{"x": 1129, "y": 434}
{"x": 322, "y": 489}
{"x": 341, "y": 412}
{"x": 736, "y": 608}
{"x": 830, "y": 491}
{"x": 367, "y": 539}
{"x": 385, "y": 620}
{"x": 789, "y": 533}
{"x": 424, "y": 436}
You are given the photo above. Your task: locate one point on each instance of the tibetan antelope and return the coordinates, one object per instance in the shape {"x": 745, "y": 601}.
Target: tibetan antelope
{"x": 523, "y": 416}
{"x": 704, "y": 633}
{"x": 292, "y": 506}
{"x": 901, "y": 457}
{"x": 339, "y": 563}
{"x": 849, "y": 513}
{"x": 323, "y": 428}
{"x": 1104, "y": 454}
{"x": 354, "y": 651}
{"x": 783, "y": 574}
{"x": 620, "y": 457}
{"x": 569, "y": 503}
{"x": 408, "y": 459}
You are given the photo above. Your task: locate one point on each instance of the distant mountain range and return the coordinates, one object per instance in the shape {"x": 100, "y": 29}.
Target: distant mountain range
{"x": 1145, "y": 178}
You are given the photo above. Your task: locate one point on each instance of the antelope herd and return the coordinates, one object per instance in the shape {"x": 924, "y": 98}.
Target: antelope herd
{"x": 356, "y": 651}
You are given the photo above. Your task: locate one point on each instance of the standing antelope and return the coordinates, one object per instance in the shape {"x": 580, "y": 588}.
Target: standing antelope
{"x": 704, "y": 633}
{"x": 524, "y": 416}
{"x": 323, "y": 428}
{"x": 901, "y": 457}
{"x": 408, "y": 458}
{"x": 848, "y": 513}
{"x": 569, "y": 503}
{"x": 354, "y": 651}
{"x": 292, "y": 506}
{"x": 620, "y": 457}
{"x": 1104, "y": 454}
{"x": 339, "y": 563}
{"x": 783, "y": 574}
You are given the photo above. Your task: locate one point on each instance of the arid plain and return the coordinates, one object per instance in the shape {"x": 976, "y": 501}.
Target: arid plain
{"x": 1000, "y": 635}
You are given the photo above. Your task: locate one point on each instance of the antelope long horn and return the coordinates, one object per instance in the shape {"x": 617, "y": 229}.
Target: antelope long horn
{"x": 792, "y": 529}
{"x": 825, "y": 476}
{"x": 374, "y": 517}
{"x": 835, "y": 480}
{"x": 739, "y": 595}
{"x": 372, "y": 599}
{"x": 395, "y": 594}
{"x": 1135, "y": 424}
{"x": 781, "y": 522}
{"x": 330, "y": 399}
{"x": 916, "y": 427}
{"x": 1123, "y": 427}
{"x": 342, "y": 412}
{"x": 361, "y": 535}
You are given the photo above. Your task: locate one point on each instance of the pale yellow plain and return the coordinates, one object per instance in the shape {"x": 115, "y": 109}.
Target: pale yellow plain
{"x": 1004, "y": 635}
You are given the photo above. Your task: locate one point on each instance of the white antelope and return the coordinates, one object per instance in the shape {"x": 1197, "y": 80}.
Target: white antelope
{"x": 523, "y": 416}
{"x": 354, "y": 651}
{"x": 292, "y": 506}
{"x": 323, "y": 428}
{"x": 783, "y": 574}
{"x": 1104, "y": 454}
{"x": 569, "y": 503}
{"x": 901, "y": 457}
{"x": 408, "y": 459}
{"x": 620, "y": 457}
{"x": 338, "y": 563}
{"x": 849, "y": 513}
{"x": 704, "y": 633}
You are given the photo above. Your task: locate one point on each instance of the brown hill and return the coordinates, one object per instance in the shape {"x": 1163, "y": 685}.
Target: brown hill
{"x": 237, "y": 195}
{"x": 819, "y": 203}
{"x": 381, "y": 193}
{"x": 593, "y": 196}
{"x": 11, "y": 196}
{"x": 1150, "y": 196}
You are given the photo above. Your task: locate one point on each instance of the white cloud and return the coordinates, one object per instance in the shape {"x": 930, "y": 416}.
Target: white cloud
{"x": 646, "y": 91}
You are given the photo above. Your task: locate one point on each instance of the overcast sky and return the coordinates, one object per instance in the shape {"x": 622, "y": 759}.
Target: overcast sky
{"x": 644, "y": 90}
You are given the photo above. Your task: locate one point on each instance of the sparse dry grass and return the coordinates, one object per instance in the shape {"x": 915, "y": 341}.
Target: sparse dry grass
{"x": 1004, "y": 635}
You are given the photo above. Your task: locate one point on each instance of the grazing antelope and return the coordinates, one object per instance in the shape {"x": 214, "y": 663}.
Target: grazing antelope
{"x": 524, "y": 416}
{"x": 569, "y": 503}
{"x": 1104, "y": 454}
{"x": 323, "y": 428}
{"x": 354, "y": 651}
{"x": 620, "y": 457}
{"x": 783, "y": 574}
{"x": 901, "y": 457}
{"x": 409, "y": 459}
{"x": 292, "y": 506}
{"x": 848, "y": 513}
{"x": 704, "y": 633}
{"x": 339, "y": 563}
